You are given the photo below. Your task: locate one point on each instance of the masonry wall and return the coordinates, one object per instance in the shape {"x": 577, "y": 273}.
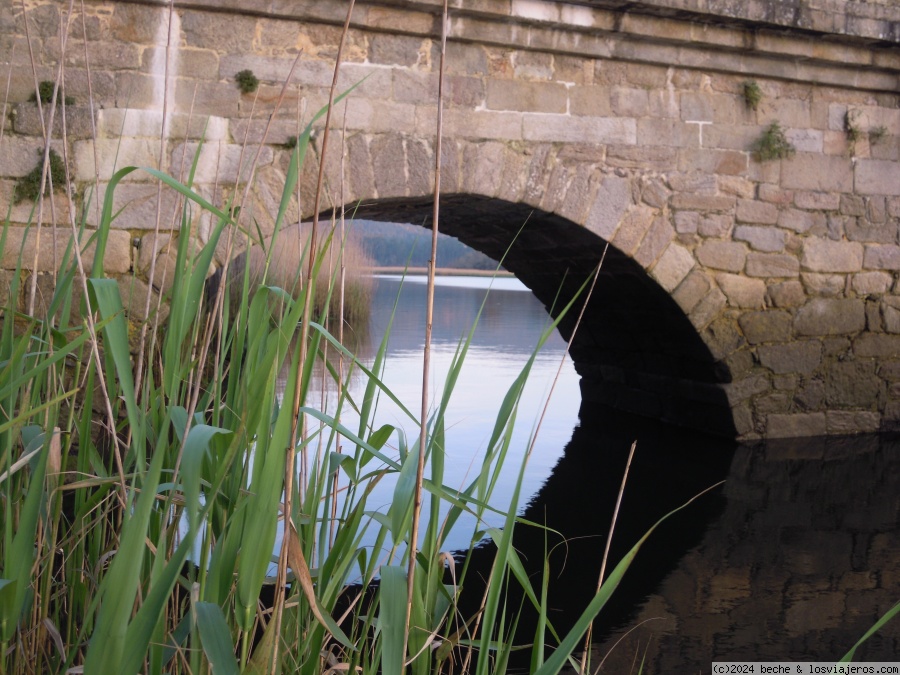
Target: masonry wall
{"x": 632, "y": 124}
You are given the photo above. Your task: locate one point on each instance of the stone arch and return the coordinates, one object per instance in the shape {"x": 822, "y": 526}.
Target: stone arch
{"x": 646, "y": 343}
{"x": 636, "y": 348}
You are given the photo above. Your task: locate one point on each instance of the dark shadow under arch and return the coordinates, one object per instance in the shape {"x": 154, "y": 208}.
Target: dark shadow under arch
{"x": 635, "y": 350}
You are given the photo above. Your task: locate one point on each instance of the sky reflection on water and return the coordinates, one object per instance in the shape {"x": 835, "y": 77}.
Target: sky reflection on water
{"x": 507, "y": 333}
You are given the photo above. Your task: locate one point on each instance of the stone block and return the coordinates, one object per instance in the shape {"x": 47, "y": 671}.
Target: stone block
{"x": 632, "y": 229}
{"x": 387, "y": 155}
{"x": 532, "y": 97}
{"x": 745, "y": 388}
{"x": 372, "y": 116}
{"x": 825, "y": 285}
{"x": 647, "y": 158}
{"x": 722, "y": 255}
{"x": 629, "y": 102}
{"x": 890, "y": 312}
{"x": 610, "y": 204}
{"x": 673, "y": 266}
{"x": 742, "y": 291}
{"x": 116, "y": 261}
{"x": 702, "y": 202}
{"x": 813, "y": 171}
{"x": 841, "y": 422}
{"x": 761, "y": 238}
{"x": 822, "y": 255}
{"x": 776, "y": 195}
{"x": 801, "y": 357}
{"x": 779, "y": 425}
{"x": 478, "y": 124}
{"x": 878, "y": 346}
{"x": 882, "y": 257}
{"x": 568, "y": 129}
{"x": 787, "y": 294}
{"x": 590, "y": 101}
{"x": 739, "y": 186}
{"x": 767, "y": 326}
{"x": 817, "y": 201}
{"x": 830, "y": 316}
{"x": 800, "y": 221}
{"x": 708, "y": 309}
{"x": 668, "y": 132}
{"x": 772, "y": 265}
{"x": 654, "y": 192}
{"x": 687, "y": 222}
{"x": 658, "y": 237}
{"x": 692, "y": 290}
{"x": 724, "y": 162}
{"x": 852, "y": 384}
{"x": 758, "y": 212}
{"x": 221, "y": 164}
{"x": 716, "y": 226}
{"x": 871, "y": 283}
{"x": 877, "y": 177}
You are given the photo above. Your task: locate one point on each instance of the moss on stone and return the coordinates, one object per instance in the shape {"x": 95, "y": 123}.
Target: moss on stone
{"x": 28, "y": 187}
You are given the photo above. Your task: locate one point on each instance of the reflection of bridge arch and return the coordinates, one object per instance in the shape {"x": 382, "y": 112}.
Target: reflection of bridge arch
{"x": 635, "y": 350}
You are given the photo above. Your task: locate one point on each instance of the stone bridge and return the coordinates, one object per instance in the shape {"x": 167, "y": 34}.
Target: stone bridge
{"x": 747, "y": 295}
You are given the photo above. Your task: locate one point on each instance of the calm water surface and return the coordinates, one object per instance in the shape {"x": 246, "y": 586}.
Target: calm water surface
{"x": 506, "y": 335}
{"x": 793, "y": 558}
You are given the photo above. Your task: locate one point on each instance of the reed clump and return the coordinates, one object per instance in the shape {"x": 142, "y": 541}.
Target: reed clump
{"x": 280, "y": 261}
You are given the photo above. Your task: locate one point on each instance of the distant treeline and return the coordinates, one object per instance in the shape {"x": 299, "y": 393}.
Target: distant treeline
{"x": 397, "y": 245}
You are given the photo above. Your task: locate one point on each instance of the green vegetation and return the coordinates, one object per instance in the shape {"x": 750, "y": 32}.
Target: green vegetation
{"x": 28, "y": 187}
{"x": 140, "y": 503}
{"x": 44, "y": 93}
{"x": 752, "y": 94}
{"x": 773, "y": 144}
{"x": 246, "y": 81}
{"x": 855, "y": 132}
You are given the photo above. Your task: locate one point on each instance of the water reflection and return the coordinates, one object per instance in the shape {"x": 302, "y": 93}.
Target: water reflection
{"x": 508, "y": 330}
{"x": 804, "y": 558}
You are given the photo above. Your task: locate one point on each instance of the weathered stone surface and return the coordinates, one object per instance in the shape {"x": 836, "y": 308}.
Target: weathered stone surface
{"x": 826, "y": 316}
{"x": 852, "y": 422}
{"x": 772, "y": 265}
{"x": 787, "y": 294}
{"x": 722, "y": 255}
{"x": 769, "y": 326}
{"x": 821, "y": 255}
{"x": 715, "y": 226}
{"x": 692, "y": 290}
{"x": 116, "y": 261}
{"x": 632, "y": 229}
{"x": 801, "y": 221}
{"x": 709, "y": 307}
{"x": 882, "y": 257}
{"x": 877, "y": 177}
{"x": 792, "y": 426}
{"x": 767, "y": 239}
{"x": 673, "y": 266}
{"x": 812, "y": 171}
{"x": 868, "y": 283}
{"x": 751, "y": 211}
{"x": 852, "y": 384}
{"x": 610, "y": 203}
{"x": 742, "y": 291}
{"x": 874, "y": 345}
{"x": 801, "y": 357}
{"x": 826, "y": 285}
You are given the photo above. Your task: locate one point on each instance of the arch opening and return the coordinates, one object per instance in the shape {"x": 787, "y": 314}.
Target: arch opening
{"x": 635, "y": 349}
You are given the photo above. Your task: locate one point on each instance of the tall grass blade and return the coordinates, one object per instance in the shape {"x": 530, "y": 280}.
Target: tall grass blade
{"x": 216, "y": 638}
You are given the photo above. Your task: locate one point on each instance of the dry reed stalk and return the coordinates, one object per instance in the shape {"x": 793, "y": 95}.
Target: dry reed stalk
{"x": 304, "y": 335}
{"x": 426, "y": 355}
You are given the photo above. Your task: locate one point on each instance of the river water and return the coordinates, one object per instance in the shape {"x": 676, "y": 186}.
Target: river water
{"x": 794, "y": 557}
